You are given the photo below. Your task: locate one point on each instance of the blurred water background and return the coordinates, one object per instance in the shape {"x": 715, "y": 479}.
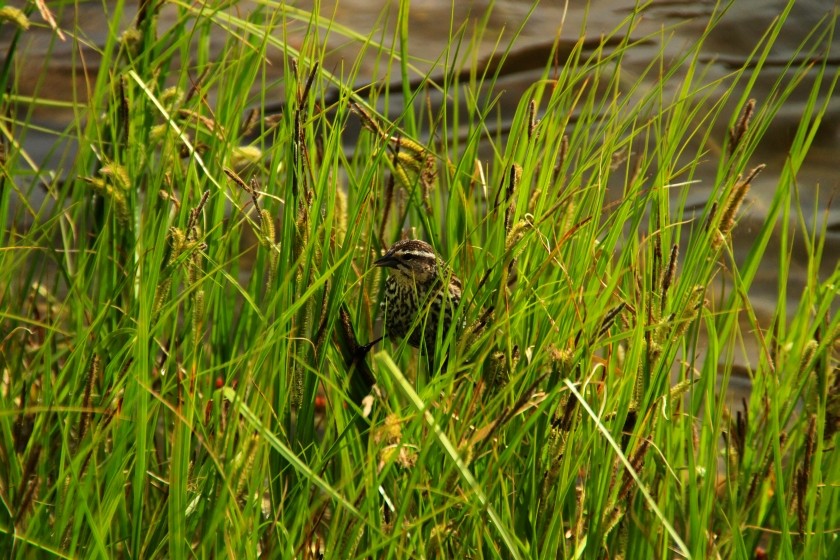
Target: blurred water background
{"x": 59, "y": 73}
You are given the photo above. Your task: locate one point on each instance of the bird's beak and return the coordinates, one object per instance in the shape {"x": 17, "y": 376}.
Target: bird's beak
{"x": 386, "y": 260}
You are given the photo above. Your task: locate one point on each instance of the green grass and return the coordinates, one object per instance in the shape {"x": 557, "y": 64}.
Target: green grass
{"x": 178, "y": 315}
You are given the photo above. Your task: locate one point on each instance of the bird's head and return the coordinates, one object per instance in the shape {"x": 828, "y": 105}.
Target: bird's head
{"x": 412, "y": 261}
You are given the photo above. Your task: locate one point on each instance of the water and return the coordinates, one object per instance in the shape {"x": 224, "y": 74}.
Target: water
{"x": 676, "y": 24}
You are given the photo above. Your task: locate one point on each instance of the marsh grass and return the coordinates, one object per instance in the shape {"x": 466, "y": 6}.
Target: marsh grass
{"x": 183, "y": 319}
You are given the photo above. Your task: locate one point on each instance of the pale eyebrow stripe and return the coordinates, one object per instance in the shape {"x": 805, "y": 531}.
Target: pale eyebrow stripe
{"x": 416, "y": 253}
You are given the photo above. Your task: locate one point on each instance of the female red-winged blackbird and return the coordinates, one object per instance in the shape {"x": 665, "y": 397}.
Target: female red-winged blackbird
{"x": 415, "y": 298}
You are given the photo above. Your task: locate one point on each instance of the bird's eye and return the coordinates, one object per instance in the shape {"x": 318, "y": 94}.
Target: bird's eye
{"x": 408, "y": 257}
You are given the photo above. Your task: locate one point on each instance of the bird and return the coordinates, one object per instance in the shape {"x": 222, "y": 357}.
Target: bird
{"x": 420, "y": 292}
